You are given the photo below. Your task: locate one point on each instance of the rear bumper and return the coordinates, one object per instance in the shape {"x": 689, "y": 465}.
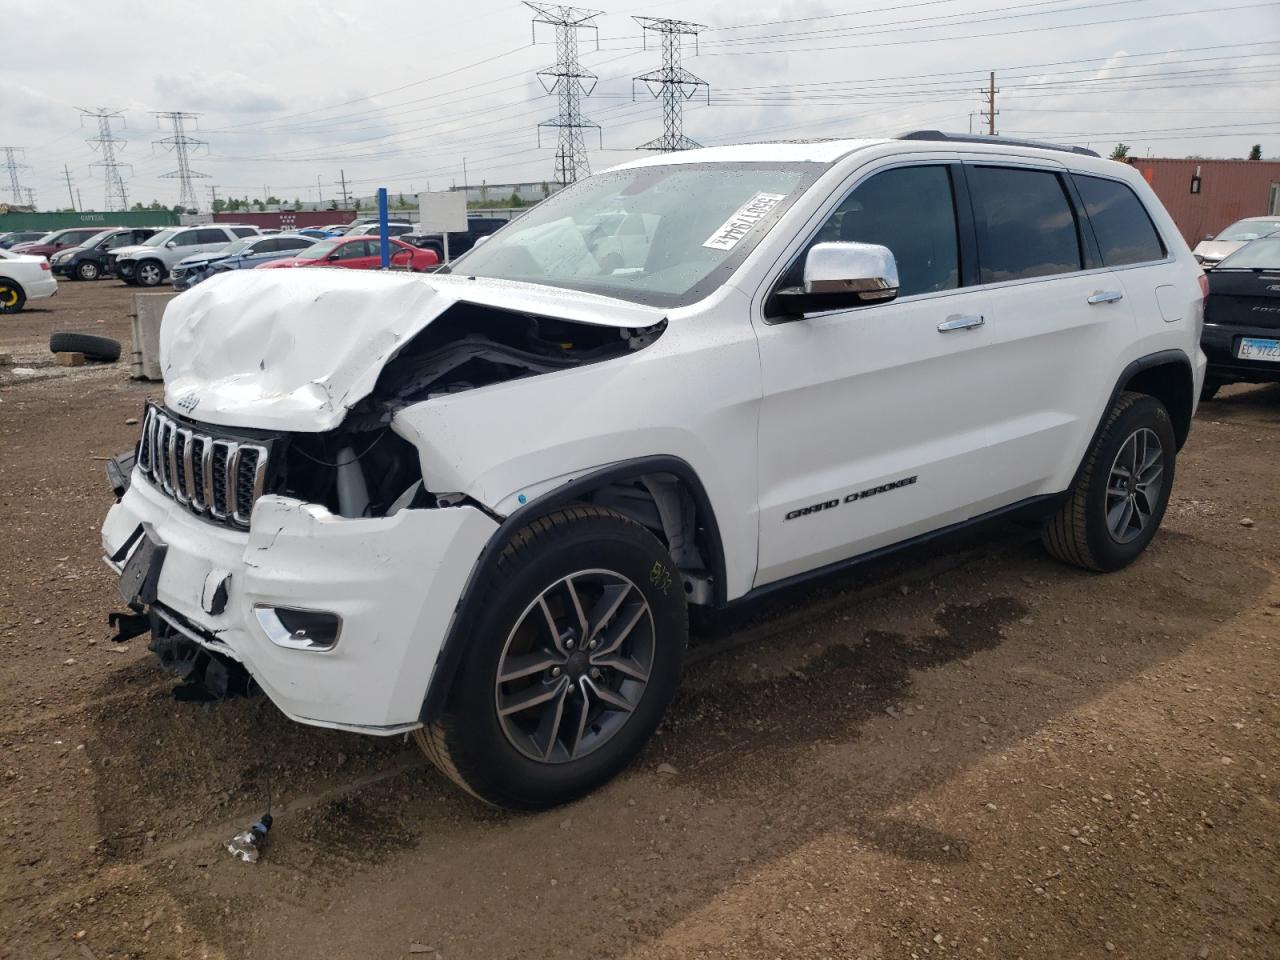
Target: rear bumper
{"x": 1218, "y": 341}
{"x": 394, "y": 581}
{"x": 46, "y": 286}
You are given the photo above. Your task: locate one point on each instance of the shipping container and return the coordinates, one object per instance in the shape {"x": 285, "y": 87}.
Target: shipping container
{"x": 60, "y": 221}
{"x": 286, "y": 219}
{"x": 1204, "y": 196}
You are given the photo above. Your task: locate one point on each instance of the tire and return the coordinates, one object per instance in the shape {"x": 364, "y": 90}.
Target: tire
{"x": 12, "y": 297}
{"x": 94, "y": 348}
{"x": 633, "y": 598}
{"x": 149, "y": 273}
{"x": 1084, "y": 530}
{"x": 88, "y": 270}
{"x": 1210, "y": 389}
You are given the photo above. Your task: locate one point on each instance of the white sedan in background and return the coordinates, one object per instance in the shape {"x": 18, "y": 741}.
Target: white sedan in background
{"x": 24, "y": 278}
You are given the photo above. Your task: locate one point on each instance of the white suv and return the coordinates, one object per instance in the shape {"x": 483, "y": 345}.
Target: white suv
{"x": 477, "y": 505}
{"x": 149, "y": 263}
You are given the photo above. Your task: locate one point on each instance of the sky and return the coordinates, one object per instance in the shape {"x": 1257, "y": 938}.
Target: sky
{"x": 404, "y": 93}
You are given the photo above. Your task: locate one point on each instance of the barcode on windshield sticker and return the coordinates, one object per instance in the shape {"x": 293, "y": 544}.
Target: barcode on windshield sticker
{"x": 746, "y": 217}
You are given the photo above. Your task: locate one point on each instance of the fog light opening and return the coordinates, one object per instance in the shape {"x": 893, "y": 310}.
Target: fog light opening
{"x": 314, "y": 630}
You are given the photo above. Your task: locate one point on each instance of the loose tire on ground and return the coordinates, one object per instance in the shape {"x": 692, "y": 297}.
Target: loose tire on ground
{"x": 12, "y": 297}
{"x": 525, "y": 595}
{"x": 94, "y": 348}
{"x": 1081, "y": 532}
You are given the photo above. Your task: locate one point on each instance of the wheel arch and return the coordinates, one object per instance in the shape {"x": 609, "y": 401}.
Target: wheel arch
{"x": 655, "y": 491}
{"x": 1168, "y": 377}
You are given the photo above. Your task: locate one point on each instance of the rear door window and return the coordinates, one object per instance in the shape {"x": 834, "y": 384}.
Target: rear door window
{"x": 210, "y": 235}
{"x": 1120, "y": 222}
{"x": 1025, "y": 223}
{"x": 189, "y": 239}
{"x": 242, "y": 232}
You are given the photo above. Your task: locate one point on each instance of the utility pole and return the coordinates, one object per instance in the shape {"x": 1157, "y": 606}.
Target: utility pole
{"x": 319, "y": 191}
{"x": 345, "y": 202}
{"x": 105, "y": 143}
{"x": 79, "y": 200}
{"x": 213, "y": 197}
{"x": 672, "y": 83}
{"x": 70, "y": 193}
{"x": 991, "y": 112}
{"x": 569, "y": 81}
{"x": 14, "y": 164}
{"x": 464, "y": 179}
{"x": 181, "y": 145}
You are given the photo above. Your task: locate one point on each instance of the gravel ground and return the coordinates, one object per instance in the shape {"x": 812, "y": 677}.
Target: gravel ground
{"x": 971, "y": 751}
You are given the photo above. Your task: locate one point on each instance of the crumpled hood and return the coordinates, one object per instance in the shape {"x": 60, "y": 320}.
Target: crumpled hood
{"x": 295, "y": 349}
{"x": 1217, "y": 249}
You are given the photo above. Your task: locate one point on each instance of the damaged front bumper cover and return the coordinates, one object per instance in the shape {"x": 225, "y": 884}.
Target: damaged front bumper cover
{"x": 393, "y": 582}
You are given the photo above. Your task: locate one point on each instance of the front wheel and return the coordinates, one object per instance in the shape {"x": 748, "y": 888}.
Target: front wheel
{"x": 12, "y": 297}
{"x": 1119, "y": 497}
{"x": 569, "y": 667}
{"x": 149, "y": 273}
{"x": 88, "y": 270}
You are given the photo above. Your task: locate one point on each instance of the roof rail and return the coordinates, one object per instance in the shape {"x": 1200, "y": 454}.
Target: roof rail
{"x": 1002, "y": 141}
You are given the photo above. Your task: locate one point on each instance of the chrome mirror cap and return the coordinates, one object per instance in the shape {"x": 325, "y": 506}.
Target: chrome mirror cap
{"x": 866, "y": 269}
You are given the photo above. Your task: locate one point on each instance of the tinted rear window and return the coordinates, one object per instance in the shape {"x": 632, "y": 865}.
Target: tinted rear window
{"x": 1026, "y": 227}
{"x": 243, "y": 231}
{"x": 1120, "y": 222}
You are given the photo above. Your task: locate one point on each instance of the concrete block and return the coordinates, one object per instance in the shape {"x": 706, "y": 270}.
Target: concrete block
{"x": 69, "y": 359}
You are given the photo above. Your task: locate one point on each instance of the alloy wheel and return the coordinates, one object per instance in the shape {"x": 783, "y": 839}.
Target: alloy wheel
{"x": 1134, "y": 485}
{"x": 575, "y": 666}
{"x": 149, "y": 274}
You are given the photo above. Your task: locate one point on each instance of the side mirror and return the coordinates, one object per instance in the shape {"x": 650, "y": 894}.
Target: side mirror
{"x": 172, "y": 245}
{"x": 1208, "y": 236}
{"x": 838, "y": 276}
{"x": 333, "y": 256}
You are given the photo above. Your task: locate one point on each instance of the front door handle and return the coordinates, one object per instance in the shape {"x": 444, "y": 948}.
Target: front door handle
{"x": 959, "y": 321}
{"x": 1106, "y": 296}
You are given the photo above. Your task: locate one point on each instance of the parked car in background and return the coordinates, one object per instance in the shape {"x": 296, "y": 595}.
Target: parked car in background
{"x": 24, "y": 277}
{"x": 150, "y": 263}
{"x": 1241, "y": 335}
{"x": 316, "y": 233}
{"x": 242, "y": 255}
{"x": 11, "y": 240}
{"x": 358, "y": 253}
{"x": 1212, "y": 250}
{"x": 459, "y": 241}
{"x": 93, "y": 258}
{"x": 395, "y": 228}
{"x": 48, "y": 245}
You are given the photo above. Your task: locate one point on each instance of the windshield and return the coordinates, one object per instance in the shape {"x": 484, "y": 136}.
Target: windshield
{"x": 1259, "y": 255}
{"x": 99, "y": 239}
{"x": 317, "y": 251}
{"x": 160, "y": 239}
{"x": 665, "y": 235}
{"x": 1249, "y": 230}
{"x": 43, "y": 238}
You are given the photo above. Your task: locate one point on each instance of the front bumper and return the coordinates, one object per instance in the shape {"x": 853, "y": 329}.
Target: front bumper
{"x": 395, "y": 582}
{"x": 1218, "y": 341}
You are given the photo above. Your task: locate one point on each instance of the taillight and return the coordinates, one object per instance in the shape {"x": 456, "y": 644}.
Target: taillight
{"x": 44, "y": 264}
{"x": 1204, "y": 287}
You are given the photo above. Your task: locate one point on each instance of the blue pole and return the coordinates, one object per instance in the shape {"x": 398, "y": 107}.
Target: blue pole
{"x": 383, "y": 243}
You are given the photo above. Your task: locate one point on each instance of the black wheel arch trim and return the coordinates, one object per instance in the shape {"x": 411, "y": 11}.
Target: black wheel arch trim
{"x": 467, "y": 609}
{"x": 1160, "y": 358}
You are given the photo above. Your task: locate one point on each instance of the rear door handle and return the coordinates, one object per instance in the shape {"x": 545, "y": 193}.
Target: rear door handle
{"x": 1106, "y": 296}
{"x": 960, "y": 321}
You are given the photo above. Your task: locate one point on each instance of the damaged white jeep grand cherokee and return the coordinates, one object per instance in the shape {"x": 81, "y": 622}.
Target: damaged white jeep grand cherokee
{"x": 476, "y": 506}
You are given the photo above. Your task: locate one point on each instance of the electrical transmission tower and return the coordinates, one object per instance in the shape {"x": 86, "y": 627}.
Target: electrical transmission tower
{"x": 990, "y": 114}
{"x": 13, "y": 163}
{"x": 672, "y": 83}
{"x": 570, "y": 82}
{"x": 182, "y": 145}
{"x": 105, "y": 143}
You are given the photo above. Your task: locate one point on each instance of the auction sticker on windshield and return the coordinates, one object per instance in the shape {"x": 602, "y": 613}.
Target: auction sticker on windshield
{"x": 747, "y": 216}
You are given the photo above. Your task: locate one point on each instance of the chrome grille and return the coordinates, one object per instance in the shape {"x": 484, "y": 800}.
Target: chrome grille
{"x": 214, "y": 476}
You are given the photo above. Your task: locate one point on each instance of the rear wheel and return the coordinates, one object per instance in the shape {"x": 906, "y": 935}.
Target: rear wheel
{"x": 88, "y": 270}
{"x": 1119, "y": 498}
{"x": 12, "y": 297}
{"x": 149, "y": 273}
{"x": 570, "y": 666}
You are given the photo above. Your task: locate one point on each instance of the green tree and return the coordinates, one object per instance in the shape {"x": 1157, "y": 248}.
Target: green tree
{"x": 1120, "y": 152}
{"x": 1255, "y": 152}
{"x": 219, "y": 205}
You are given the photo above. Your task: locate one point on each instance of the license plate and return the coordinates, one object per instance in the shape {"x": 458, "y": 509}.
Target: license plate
{"x": 1257, "y": 348}
{"x": 141, "y": 574}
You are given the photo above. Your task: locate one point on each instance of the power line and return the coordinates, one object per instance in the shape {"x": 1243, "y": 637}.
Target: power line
{"x": 13, "y": 165}
{"x": 105, "y": 143}
{"x": 672, "y": 83}
{"x": 181, "y": 145}
{"x": 570, "y": 81}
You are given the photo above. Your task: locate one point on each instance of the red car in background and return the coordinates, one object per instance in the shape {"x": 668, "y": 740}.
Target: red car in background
{"x": 59, "y": 240}
{"x": 357, "y": 253}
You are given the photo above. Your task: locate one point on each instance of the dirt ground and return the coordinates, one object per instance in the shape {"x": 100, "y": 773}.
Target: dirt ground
{"x": 969, "y": 752}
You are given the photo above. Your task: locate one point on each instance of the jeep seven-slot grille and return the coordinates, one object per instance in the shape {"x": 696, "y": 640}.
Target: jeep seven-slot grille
{"x": 217, "y": 477}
